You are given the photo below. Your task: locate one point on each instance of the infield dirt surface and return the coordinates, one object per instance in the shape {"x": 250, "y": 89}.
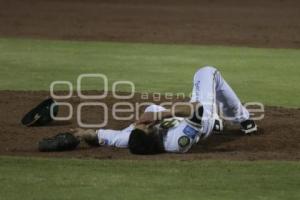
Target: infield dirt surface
{"x": 278, "y": 137}
{"x": 259, "y": 24}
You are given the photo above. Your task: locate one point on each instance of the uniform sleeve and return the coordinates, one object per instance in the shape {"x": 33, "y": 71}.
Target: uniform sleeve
{"x": 114, "y": 138}
{"x": 155, "y": 108}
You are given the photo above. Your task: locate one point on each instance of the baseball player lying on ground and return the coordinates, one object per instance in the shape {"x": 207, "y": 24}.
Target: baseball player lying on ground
{"x": 160, "y": 130}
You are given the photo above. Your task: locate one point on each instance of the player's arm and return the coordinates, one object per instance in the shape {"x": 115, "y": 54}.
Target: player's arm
{"x": 178, "y": 110}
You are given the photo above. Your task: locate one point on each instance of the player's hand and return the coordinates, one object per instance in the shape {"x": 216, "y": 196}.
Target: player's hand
{"x": 148, "y": 118}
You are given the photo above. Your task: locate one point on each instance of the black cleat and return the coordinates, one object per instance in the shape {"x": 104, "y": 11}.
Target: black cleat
{"x": 248, "y": 126}
{"x": 218, "y": 126}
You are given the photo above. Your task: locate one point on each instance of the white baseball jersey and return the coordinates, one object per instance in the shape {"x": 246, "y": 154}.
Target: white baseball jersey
{"x": 178, "y": 138}
{"x": 212, "y": 91}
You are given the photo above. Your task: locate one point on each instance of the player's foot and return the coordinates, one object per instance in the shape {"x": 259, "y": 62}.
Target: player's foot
{"x": 248, "y": 126}
{"x": 218, "y": 126}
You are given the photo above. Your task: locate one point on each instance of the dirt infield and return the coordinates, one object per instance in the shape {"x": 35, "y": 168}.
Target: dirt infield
{"x": 269, "y": 23}
{"x": 278, "y": 137}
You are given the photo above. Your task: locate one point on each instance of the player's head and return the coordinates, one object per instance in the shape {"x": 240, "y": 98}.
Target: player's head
{"x": 144, "y": 140}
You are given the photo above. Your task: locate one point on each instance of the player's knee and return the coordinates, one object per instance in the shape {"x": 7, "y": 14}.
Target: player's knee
{"x": 206, "y": 69}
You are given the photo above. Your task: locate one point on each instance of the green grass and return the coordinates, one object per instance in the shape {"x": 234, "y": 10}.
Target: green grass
{"x": 33, "y": 178}
{"x": 267, "y": 75}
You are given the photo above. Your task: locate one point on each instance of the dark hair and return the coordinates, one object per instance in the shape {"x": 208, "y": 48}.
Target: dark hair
{"x": 142, "y": 143}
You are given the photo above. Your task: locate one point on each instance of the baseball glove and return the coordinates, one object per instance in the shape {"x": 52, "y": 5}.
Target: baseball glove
{"x": 60, "y": 142}
{"x": 40, "y": 115}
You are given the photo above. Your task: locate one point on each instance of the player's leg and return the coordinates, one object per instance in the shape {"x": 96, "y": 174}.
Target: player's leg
{"x": 204, "y": 91}
{"x": 228, "y": 101}
{"x": 231, "y": 106}
{"x": 209, "y": 89}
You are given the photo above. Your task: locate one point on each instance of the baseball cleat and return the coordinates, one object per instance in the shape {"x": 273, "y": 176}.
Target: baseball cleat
{"x": 248, "y": 126}
{"x": 218, "y": 126}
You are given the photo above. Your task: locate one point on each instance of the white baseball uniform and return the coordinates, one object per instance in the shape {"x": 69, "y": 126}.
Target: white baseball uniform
{"x": 212, "y": 91}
